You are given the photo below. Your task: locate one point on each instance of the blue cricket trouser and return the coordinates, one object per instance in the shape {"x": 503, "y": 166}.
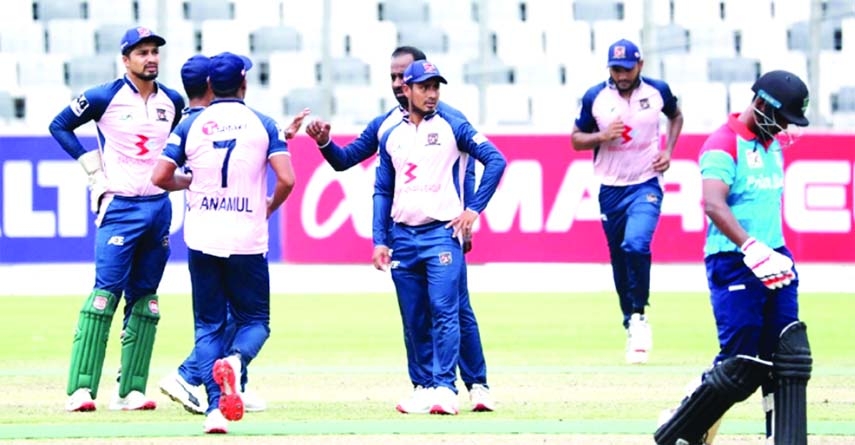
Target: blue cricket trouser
{"x": 132, "y": 246}
{"x": 630, "y": 215}
{"x": 473, "y": 366}
{"x": 189, "y": 368}
{"x": 748, "y": 315}
{"x": 426, "y": 269}
{"x": 243, "y": 282}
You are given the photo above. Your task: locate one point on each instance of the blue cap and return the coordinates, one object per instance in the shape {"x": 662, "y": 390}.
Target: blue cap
{"x": 194, "y": 72}
{"x": 227, "y": 71}
{"x": 624, "y": 54}
{"x": 420, "y": 71}
{"x": 135, "y": 36}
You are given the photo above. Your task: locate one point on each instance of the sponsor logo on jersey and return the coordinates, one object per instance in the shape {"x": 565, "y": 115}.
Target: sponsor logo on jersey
{"x": 445, "y": 258}
{"x": 79, "y": 105}
{"x": 116, "y": 241}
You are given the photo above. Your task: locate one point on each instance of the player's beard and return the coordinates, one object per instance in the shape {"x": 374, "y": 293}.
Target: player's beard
{"x": 146, "y": 76}
{"x": 631, "y": 87}
{"x": 421, "y": 112}
{"x": 401, "y": 98}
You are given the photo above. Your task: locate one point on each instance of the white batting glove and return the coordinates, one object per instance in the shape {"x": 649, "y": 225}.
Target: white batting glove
{"x": 91, "y": 162}
{"x": 772, "y": 268}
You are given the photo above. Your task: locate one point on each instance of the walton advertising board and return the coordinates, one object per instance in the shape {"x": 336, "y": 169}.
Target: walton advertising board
{"x": 544, "y": 211}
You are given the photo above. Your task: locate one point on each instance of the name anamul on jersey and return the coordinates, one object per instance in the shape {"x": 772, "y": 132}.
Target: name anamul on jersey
{"x": 226, "y": 204}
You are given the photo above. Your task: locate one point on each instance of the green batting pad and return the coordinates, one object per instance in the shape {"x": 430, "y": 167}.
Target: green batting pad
{"x": 90, "y": 341}
{"x": 137, "y": 345}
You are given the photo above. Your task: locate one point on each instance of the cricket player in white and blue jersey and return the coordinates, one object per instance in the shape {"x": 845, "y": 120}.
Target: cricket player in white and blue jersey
{"x": 472, "y": 365}
{"x": 227, "y": 147}
{"x": 752, "y": 279}
{"x": 619, "y": 121}
{"x": 134, "y": 116}
{"x": 184, "y": 383}
{"x": 419, "y": 214}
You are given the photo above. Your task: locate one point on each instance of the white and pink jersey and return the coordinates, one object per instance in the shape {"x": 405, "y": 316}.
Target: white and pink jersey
{"x": 627, "y": 160}
{"x": 132, "y": 131}
{"x": 420, "y": 177}
{"x": 226, "y": 147}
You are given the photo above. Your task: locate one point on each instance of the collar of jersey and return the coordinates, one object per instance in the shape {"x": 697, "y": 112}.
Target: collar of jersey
{"x": 134, "y": 87}
{"x": 427, "y": 116}
{"x": 188, "y": 110}
{"x": 743, "y": 131}
{"x": 226, "y": 99}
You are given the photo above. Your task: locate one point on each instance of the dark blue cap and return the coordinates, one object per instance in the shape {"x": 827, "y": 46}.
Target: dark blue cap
{"x": 227, "y": 71}
{"x": 420, "y": 71}
{"x": 194, "y": 72}
{"x": 624, "y": 54}
{"x": 135, "y": 36}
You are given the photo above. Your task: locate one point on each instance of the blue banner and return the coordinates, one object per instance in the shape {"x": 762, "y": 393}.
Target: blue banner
{"x": 44, "y": 207}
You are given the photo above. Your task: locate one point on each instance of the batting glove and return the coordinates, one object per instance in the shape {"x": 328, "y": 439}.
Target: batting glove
{"x": 772, "y": 268}
{"x": 91, "y": 162}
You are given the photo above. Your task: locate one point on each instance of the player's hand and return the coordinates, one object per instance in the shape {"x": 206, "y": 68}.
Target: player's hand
{"x": 662, "y": 162}
{"x": 614, "y": 131}
{"x": 91, "y": 162}
{"x": 292, "y": 129}
{"x": 772, "y": 268}
{"x": 463, "y": 224}
{"x": 319, "y": 131}
{"x": 381, "y": 258}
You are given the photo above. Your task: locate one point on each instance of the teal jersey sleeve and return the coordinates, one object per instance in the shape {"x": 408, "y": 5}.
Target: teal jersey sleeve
{"x": 718, "y": 164}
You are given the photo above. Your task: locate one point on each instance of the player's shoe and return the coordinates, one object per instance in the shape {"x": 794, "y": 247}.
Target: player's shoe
{"x": 479, "y": 395}
{"x": 444, "y": 401}
{"x": 226, "y": 374}
{"x": 419, "y": 402}
{"x": 215, "y": 423}
{"x": 134, "y": 401}
{"x": 639, "y": 340}
{"x": 190, "y": 397}
{"x": 80, "y": 401}
{"x": 252, "y": 402}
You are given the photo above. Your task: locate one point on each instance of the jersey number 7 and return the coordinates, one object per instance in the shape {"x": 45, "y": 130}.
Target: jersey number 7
{"x": 229, "y": 145}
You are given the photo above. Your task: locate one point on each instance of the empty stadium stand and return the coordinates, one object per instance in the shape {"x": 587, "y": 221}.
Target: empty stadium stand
{"x": 538, "y": 58}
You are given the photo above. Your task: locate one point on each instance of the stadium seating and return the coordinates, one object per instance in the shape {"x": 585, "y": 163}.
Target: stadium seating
{"x": 87, "y": 71}
{"x": 7, "y": 107}
{"x": 83, "y": 42}
{"x": 109, "y": 12}
{"x": 534, "y": 48}
{"x": 201, "y": 10}
{"x": 46, "y": 10}
{"x": 268, "y": 39}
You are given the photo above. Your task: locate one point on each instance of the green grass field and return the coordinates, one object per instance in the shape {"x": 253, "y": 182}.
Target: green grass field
{"x": 334, "y": 367}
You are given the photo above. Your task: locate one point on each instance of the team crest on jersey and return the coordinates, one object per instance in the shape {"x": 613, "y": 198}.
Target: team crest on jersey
{"x": 753, "y": 159}
{"x": 644, "y": 103}
{"x": 161, "y": 115}
{"x": 445, "y": 258}
{"x": 79, "y": 105}
{"x": 433, "y": 139}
